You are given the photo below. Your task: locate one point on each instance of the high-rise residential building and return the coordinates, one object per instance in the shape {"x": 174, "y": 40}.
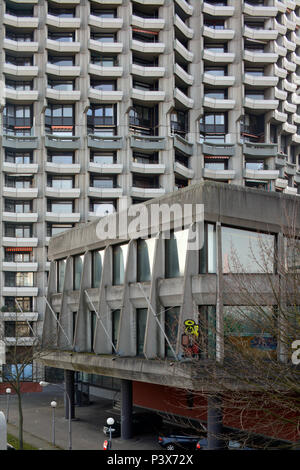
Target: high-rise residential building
{"x": 105, "y": 102}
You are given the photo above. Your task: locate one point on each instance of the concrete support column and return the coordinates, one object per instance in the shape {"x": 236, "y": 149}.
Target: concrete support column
{"x": 215, "y": 424}
{"x": 70, "y": 389}
{"x": 126, "y": 409}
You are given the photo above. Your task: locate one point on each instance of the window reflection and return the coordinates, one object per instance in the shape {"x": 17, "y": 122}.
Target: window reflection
{"x": 175, "y": 253}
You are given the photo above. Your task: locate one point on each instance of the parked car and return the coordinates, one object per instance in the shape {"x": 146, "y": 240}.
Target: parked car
{"x": 142, "y": 422}
{"x": 202, "y": 444}
{"x": 178, "y": 441}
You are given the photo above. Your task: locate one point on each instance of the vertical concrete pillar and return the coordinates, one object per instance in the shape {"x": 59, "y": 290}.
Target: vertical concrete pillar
{"x": 70, "y": 389}
{"x": 3, "y": 432}
{"x": 215, "y": 424}
{"x": 126, "y": 409}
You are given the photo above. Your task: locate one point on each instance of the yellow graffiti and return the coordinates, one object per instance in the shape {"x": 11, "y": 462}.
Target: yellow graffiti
{"x": 191, "y": 328}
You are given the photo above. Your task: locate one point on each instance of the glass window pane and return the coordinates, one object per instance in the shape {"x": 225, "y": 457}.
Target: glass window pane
{"x": 115, "y": 326}
{"x": 61, "y": 274}
{"x": 145, "y": 256}
{"x": 119, "y": 263}
{"x": 175, "y": 253}
{"x": 78, "y": 265}
{"x": 171, "y": 329}
{"x": 97, "y": 264}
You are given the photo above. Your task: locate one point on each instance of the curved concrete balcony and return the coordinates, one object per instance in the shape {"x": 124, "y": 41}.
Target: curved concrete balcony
{"x": 291, "y": 25}
{"x": 260, "y": 34}
{"x": 218, "y": 57}
{"x": 296, "y": 38}
{"x": 227, "y": 150}
{"x": 188, "y": 32}
{"x": 98, "y": 142}
{"x": 98, "y": 46}
{"x": 183, "y": 75}
{"x": 147, "y": 142}
{"x": 185, "y": 6}
{"x": 154, "y": 72}
{"x": 280, "y": 6}
{"x": 27, "y": 168}
{"x": 295, "y": 58}
{"x": 296, "y": 79}
{"x": 291, "y": 191}
{"x": 20, "y": 46}
{"x": 18, "y": 316}
{"x": 62, "y": 193}
{"x": 147, "y": 193}
{"x": 62, "y": 168}
{"x": 183, "y": 99}
{"x": 218, "y": 34}
{"x": 19, "y": 267}
{"x": 289, "y": 107}
{"x": 280, "y": 50}
{"x": 21, "y": 292}
{"x": 214, "y": 103}
{"x": 215, "y": 80}
{"x": 280, "y": 72}
{"x": 260, "y": 57}
{"x": 23, "y": 341}
{"x": 20, "y": 242}
{"x": 297, "y": 178}
{"x": 100, "y": 71}
{"x": 154, "y": 24}
{"x": 105, "y": 168}
{"x": 290, "y": 169}
{"x": 280, "y": 160}
{"x": 218, "y": 174}
{"x": 221, "y": 11}
{"x": 105, "y": 96}
{"x": 67, "y": 143}
{"x": 183, "y": 51}
{"x": 105, "y": 192}
{"x": 288, "y": 65}
{"x": 63, "y": 23}
{"x": 20, "y": 21}
{"x": 183, "y": 145}
{"x": 260, "y": 11}
{"x": 260, "y": 82}
{"x": 143, "y": 2}
{"x": 184, "y": 171}
{"x": 281, "y": 28}
{"x": 296, "y": 139}
{"x": 296, "y": 118}
{"x": 148, "y": 96}
{"x": 148, "y": 168}
{"x": 259, "y": 150}
{"x": 289, "y": 128}
{"x": 21, "y": 97}
{"x": 20, "y": 217}
{"x": 28, "y": 71}
{"x": 62, "y": 46}
{"x": 147, "y": 47}
{"x": 58, "y": 95}
{"x": 63, "y": 218}
{"x": 280, "y": 94}
{"x": 260, "y": 104}
{"x": 291, "y": 46}
{"x": 108, "y": 24}
{"x": 22, "y": 193}
{"x": 281, "y": 183}
{"x": 63, "y": 70}
{"x": 265, "y": 175}
{"x": 20, "y": 142}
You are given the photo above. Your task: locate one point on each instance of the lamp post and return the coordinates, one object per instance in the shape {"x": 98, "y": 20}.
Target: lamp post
{"x": 44, "y": 384}
{"x": 8, "y": 392}
{"x": 53, "y": 406}
{"x": 110, "y": 422}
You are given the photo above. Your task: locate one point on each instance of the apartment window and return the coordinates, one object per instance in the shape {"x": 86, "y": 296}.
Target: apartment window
{"x": 101, "y": 120}
{"x": 216, "y": 94}
{"x": 145, "y": 86}
{"x": 15, "y": 279}
{"x": 255, "y": 95}
{"x": 171, "y": 329}
{"x": 145, "y": 62}
{"x": 103, "y": 60}
{"x": 19, "y": 85}
{"x": 146, "y": 182}
{"x": 17, "y": 329}
{"x": 21, "y": 207}
{"x": 255, "y": 71}
{"x": 216, "y": 71}
{"x": 182, "y": 159}
{"x": 216, "y": 48}
{"x": 255, "y": 164}
{"x": 17, "y": 158}
{"x": 77, "y": 271}
{"x": 208, "y": 253}
{"x": 145, "y": 257}
{"x": 141, "y": 321}
{"x": 213, "y": 127}
{"x": 10, "y": 371}
{"x": 18, "y": 255}
{"x": 19, "y": 36}
{"x": 19, "y": 61}
{"x": 60, "y": 182}
{"x": 18, "y": 230}
{"x": 17, "y": 119}
{"x": 62, "y": 85}
{"x": 59, "y": 117}
{"x": 207, "y": 332}
{"x": 62, "y": 36}
{"x": 61, "y": 269}
{"x": 144, "y": 36}
{"x": 60, "y": 207}
{"x": 104, "y": 85}
{"x": 175, "y": 253}
{"x": 14, "y": 304}
{"x": 97, "y": 265}
{"x": 119, "y": 263}
{"x": 102, "y": 207}
{"x": 25, "y": 11}
{"x": 253, "y": 128}
{"x": 54, "y": 229}
{"x": 214, "y": 24}
{"x": 103, "y": 37}
{"x": 215, "y": 163}
{"x": 103, "y": 13}
{"x": 179, "y": 122}
{"x": 247, "y": 251}
{"x": 19, "y": 182}
{"x": 103, "y": 181}
{"x": 180, "y": 183}
{"x": 107, "y": 158}
{"x": 115, "y": 326}
{"x": 61, "y": 60}
{"x": 61, "y": 158}
{"x": 145, "y": 158}
{"x": 143, "y": 120}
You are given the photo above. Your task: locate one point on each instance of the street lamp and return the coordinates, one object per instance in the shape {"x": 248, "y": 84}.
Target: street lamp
{"x": 53, "y": 406}
{"x": 8, "y": 392}
{"x": 110, "y": 422}
{"x": 44, "y": 384}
